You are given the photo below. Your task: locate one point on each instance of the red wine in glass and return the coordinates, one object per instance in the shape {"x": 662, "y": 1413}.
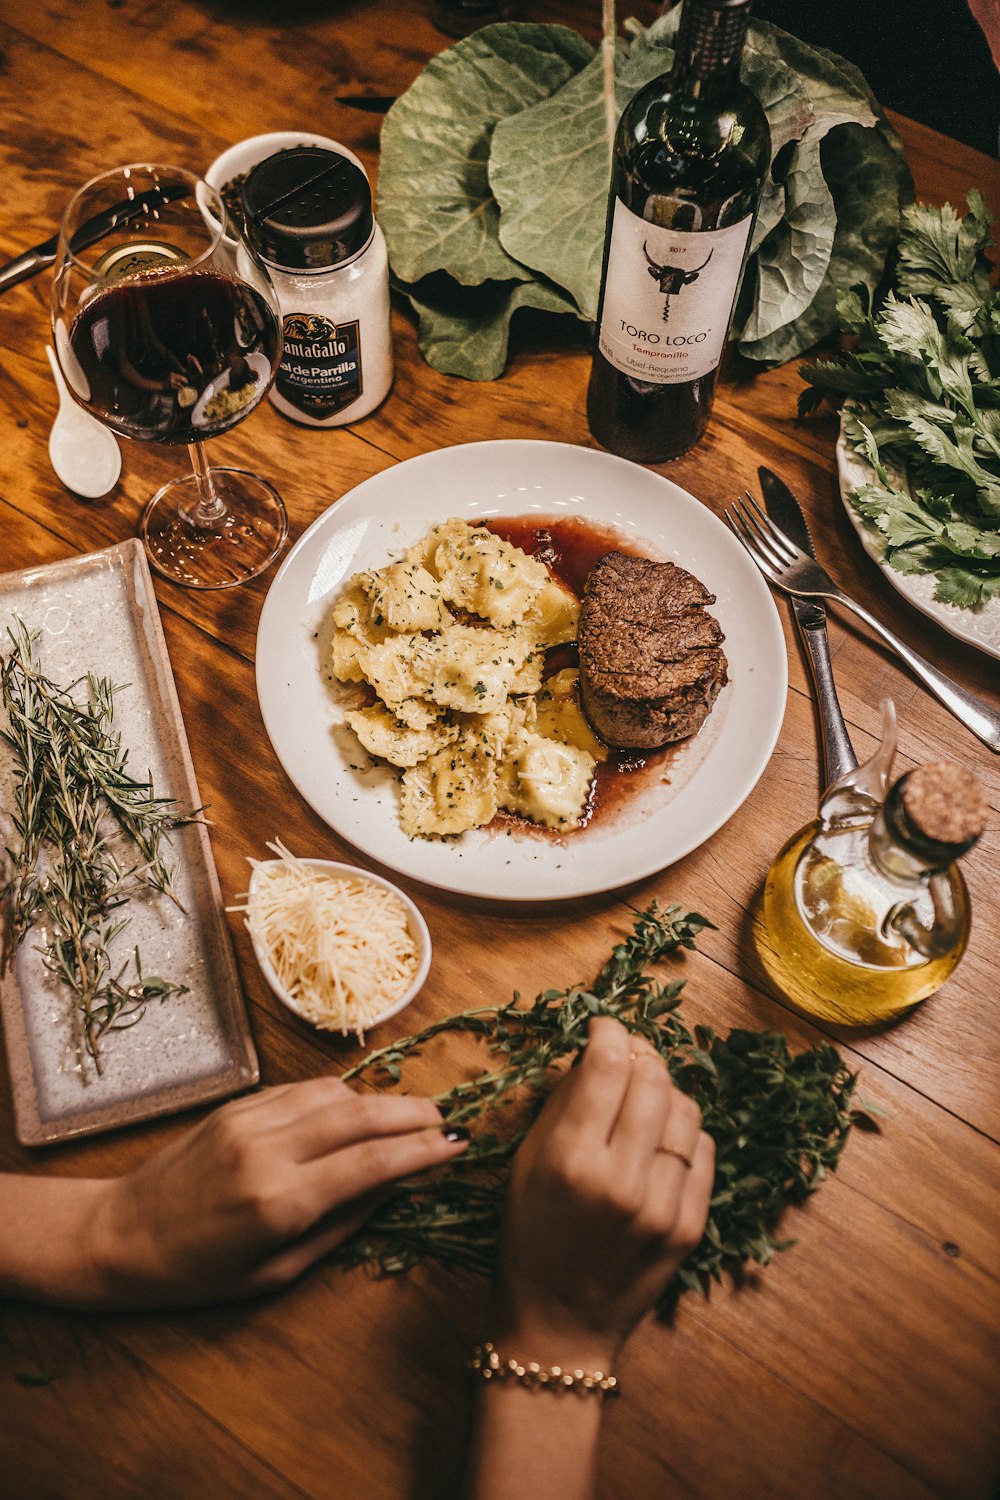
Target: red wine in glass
{"x": 168, "y": 335}
{"x": 175, "y": 358}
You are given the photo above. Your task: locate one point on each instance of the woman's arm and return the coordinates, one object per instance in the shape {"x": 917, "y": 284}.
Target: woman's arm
{"x": 608, "y": 1194}
{"x": 241, "y": 1204}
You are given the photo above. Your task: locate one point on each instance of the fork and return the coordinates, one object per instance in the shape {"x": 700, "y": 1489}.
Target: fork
{"x": 796, "y": 573}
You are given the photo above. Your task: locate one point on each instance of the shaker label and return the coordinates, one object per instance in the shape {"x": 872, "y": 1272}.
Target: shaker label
{"x": 667, "y": 297}
{"x": 320, "y": 371}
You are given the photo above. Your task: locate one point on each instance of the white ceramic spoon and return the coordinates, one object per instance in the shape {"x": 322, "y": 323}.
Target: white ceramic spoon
{"x": 84, "y": 453}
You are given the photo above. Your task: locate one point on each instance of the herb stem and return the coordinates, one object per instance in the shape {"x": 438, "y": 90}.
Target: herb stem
{"x": 779, "y": 1122}
{"x": 77, "y": 812}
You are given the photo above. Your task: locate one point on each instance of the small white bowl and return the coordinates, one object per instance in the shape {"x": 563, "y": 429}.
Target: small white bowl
{"x": 240, "y": 158}
{"x": 414, "y": 921}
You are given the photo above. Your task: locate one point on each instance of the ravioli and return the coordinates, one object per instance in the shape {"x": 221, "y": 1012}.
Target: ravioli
{"x": 451, "y": 642}
{"x": 387, "y": 738}
{"x": 404, "y": 596}
{"x": 486, "y": 575}
{"x": 452, "y": 791}
{"x": 546, "y": 781}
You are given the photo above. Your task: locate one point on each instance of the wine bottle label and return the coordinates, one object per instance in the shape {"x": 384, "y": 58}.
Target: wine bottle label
{"x": 668, "y": 296}
{"x": 320, "y": 371}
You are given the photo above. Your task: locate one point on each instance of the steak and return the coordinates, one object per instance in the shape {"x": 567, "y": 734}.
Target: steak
{"x": 651, "y": 663}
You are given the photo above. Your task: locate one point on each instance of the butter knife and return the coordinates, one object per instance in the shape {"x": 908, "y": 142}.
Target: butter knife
{"x": 837, "y": 750}
{"x": 373, "y": 104}
{"x": 39, "y": 256}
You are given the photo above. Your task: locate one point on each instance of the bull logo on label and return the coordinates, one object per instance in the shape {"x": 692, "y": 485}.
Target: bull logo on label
{"x": 672, "y": 279}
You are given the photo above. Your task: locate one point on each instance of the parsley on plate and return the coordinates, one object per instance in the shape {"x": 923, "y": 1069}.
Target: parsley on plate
{"x": 922, "y": 382}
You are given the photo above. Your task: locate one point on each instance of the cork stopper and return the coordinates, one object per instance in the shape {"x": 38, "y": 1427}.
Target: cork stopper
{"x": 944, "y": 802}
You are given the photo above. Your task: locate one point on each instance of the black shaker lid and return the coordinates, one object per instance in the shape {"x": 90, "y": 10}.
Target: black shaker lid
{"x": 308, "y": 208}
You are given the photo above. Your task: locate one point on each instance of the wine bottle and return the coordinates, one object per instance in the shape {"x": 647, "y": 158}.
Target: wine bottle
{"x": 691, "y": 154}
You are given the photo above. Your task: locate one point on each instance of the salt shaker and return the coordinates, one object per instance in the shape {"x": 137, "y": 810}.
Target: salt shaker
{"x": 309, "y": 217}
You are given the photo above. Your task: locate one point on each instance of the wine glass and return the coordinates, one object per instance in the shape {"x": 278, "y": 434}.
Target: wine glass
{"x": 168, "y": 337}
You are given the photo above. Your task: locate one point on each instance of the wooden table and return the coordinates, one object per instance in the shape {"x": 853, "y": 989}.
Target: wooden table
{"x": 864, "y": 1362}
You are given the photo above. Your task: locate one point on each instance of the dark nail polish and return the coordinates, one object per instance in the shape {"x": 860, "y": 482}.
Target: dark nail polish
{"x": 455, "y": 1133}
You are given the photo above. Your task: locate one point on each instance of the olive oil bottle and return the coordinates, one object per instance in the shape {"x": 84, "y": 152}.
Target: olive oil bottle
{"x": 865, "y": 912}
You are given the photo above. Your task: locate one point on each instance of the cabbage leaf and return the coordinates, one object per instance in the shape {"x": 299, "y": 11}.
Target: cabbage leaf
{"x": 495, "y": 169}
{"x": 436, "y": 207}
{"x": 466, "y": 330}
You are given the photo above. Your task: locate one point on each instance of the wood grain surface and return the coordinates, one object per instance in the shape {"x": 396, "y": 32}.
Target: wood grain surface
{"x": 862, "y": 1363}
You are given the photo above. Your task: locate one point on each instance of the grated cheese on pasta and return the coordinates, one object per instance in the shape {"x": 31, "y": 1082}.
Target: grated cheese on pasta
{"x": 341, "y": 946}
{"x": 470, "y": 682}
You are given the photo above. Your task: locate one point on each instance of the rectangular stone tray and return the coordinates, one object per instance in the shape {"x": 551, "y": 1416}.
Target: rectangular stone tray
{"x": 97, "y": 613}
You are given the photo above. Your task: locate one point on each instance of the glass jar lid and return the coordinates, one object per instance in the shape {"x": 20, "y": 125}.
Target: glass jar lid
{"x": 308, "y": 209}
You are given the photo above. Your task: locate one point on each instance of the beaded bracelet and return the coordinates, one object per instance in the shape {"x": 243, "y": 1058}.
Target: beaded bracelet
{"x": 488, "y": 1364}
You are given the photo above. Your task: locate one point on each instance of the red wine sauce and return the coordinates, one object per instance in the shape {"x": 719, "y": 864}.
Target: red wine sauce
{"x": 570, "y": 546}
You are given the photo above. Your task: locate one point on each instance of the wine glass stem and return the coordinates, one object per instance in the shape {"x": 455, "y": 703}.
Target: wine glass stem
{"x": 210, "y": 511}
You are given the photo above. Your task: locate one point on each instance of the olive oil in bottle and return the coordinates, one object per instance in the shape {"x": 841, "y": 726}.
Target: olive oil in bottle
{"x": 865, "y": 911}
{"x": 691, "y": 154}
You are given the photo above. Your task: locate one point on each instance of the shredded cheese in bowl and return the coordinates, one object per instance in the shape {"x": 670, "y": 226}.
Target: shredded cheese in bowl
{"x": 341, "y": 947}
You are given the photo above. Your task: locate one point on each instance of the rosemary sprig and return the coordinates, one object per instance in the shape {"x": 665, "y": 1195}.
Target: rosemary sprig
{"x": 89, "y": 839}
{"x": 779, "y": 1122}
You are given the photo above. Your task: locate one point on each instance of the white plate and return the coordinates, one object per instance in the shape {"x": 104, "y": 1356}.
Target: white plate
{"x": 709, "y": 776}
{"x": 979, "y": 627}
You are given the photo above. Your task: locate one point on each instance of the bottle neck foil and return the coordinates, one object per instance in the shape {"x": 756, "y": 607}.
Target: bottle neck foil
{"x": 710, "y": 42}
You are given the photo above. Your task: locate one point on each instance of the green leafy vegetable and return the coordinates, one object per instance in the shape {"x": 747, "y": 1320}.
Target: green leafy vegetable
{"x": 466, "y": 330}
{"x": 549, "y": 174}
{"x": 862, "y": 168}
{"x": 794, "y": 245}
{"x": 779, "y": 1122}
{"x": 494, "y": 177}
{"x": 437, "y": 209}
{"x": 923, "y": 382}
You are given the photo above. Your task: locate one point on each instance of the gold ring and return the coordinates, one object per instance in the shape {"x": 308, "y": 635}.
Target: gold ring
{"x": 673, "y": 1151}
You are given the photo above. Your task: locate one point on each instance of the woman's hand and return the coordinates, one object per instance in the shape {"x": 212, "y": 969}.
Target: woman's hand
{"x": 259, "y": 1191}
{"x": 609, "y": 1193}
{"x": 256, "y": 1193}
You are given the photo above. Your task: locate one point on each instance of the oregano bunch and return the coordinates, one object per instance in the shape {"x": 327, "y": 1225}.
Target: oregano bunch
{"x": 779, "y": 1121}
